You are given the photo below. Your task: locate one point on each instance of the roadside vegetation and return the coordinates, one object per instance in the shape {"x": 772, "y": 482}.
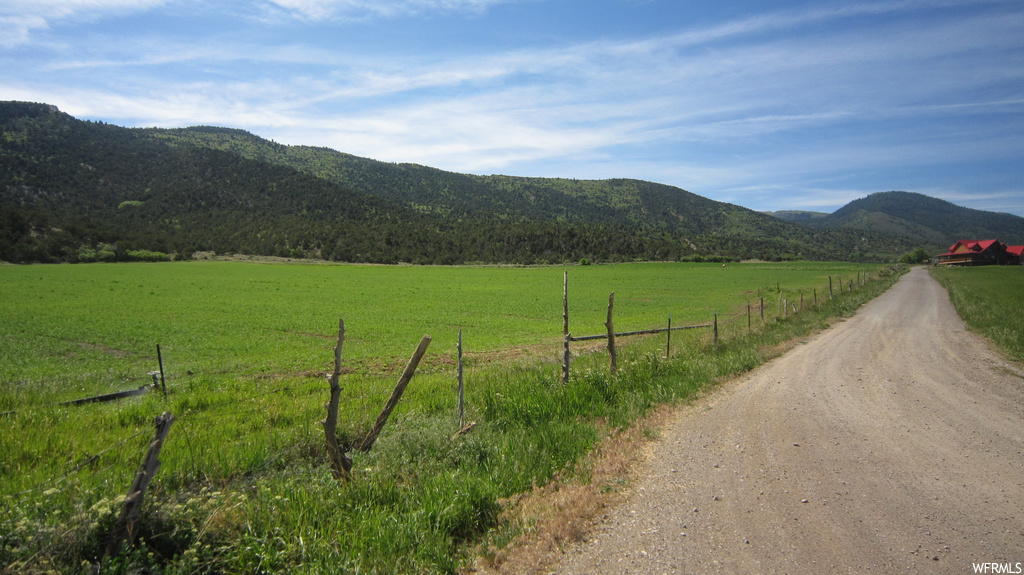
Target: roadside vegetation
{"x": 245, "y": 484}
{"x": 987, "y": 298}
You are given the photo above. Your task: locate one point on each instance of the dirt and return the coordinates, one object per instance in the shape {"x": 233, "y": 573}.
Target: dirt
{"x": 891, "y": 443}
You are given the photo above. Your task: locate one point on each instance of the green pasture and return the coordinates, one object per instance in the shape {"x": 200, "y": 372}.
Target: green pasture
{"x": 73, "y": 331}
{"x": 245, "y": 485}
{"x": 989, "y": 300}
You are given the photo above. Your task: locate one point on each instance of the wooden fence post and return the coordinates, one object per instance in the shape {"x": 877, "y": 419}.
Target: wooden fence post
{"x": 341, "y": 465}
{"x": 829, "y": 287}
{"x": 565, "y": 358}
{"x": 801, "y": 300}
{"x": 124, "y": 530}
{"x": 716, "y": 326}
{"x": 160, "y": 360}
{"x": 748, "y": 316}
{"x": 668, "y": 342}
{"x": 396, "y": 395}
{"x": 566, "y": 338}
{"x": 611, "y": 333}
{"x": 461, "y": 384}
{"x": 762, "y": 309}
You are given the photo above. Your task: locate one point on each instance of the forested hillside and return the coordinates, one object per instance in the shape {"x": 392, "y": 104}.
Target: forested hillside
{"x": 83, "y": 191}
{"x": 932, "y": 222}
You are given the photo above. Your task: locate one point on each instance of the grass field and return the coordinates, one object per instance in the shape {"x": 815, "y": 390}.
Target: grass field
{"x": 988, "y": 299}
{"x": 245, "y": 485}
{"x": 70, "y": 331}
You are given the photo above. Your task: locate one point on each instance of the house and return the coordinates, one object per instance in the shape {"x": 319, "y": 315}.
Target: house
{"x": 1015, "y": 254}
{"x": 975, "y": 253}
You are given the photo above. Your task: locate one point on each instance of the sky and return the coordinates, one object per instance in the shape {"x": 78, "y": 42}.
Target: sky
{"x": 769, "y": 104}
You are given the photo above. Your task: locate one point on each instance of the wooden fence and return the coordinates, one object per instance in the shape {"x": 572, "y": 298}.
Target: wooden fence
{"x": 125, "y": 529}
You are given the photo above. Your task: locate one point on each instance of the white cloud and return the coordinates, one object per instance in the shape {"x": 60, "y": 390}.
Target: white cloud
{"x": 362, "y": 9}
{"x": 19, "y": 18}
{"x": 15, "y": 30}
{"x": 733, "y": 108}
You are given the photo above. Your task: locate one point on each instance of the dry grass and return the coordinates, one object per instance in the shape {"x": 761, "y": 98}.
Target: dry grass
{"x": 562, "y": 512}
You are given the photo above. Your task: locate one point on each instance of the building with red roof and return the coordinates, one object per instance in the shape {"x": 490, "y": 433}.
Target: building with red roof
{"x": 1015, "y": 254}
{"x": 976, "y": 253}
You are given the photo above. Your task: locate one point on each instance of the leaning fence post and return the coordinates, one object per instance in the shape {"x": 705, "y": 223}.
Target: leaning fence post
{"x": 160, "y": 360}
{"x": 341, "y": 465}
{"x": 124, "y": 530}
{"x": 611, "y": 333}
{"x": 396, "y": 395}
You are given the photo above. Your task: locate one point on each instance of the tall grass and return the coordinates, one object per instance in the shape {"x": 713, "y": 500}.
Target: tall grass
{"x": 988, "y": 299}
{"x": 245, "y": 486}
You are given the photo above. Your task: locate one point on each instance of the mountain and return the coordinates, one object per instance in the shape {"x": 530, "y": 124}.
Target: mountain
{"x": 934, "y": 223}
{"x": 634, "y": 203}
{"x": 72, "y": 190}
{"x": 797, "y": 216}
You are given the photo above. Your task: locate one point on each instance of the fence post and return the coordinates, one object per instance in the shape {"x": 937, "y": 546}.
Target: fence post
{"x": 748, "y": 316}
{"x": 668, "y": 342}
{"x": 565, "y": 328}
{"x": 461, "y": 384}
{"x": 565, "y": 359}
{"x": 762, "y": 309}
{"x": 611, "y": 333}
{"x": 160, "y": 360}
{"x": 341, "y": 465}
{"x": 716, "y": 326}
{"x": 801, "y": 300}
{"x": 396, "y": 395}
{"x": 124, "y": 529}
{"x": 829, "y": 287}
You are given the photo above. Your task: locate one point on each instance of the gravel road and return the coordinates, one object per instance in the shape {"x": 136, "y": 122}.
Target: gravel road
{"x": 891, "y": 443}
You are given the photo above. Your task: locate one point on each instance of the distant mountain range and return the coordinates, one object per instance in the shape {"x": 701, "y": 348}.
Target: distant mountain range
{"x": 928, "y": 221}
{"x": 72, "y": 190}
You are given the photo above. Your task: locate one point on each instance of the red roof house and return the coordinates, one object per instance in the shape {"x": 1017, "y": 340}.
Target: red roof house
{"x": 1015, "y": 254}
{"x": 975, "y": 253}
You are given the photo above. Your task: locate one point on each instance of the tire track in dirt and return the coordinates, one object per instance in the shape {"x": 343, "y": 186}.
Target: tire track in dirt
{"x": 891, "y": 443}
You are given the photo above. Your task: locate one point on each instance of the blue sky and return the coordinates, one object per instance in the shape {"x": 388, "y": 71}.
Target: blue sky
{"x": 769, "y": 105}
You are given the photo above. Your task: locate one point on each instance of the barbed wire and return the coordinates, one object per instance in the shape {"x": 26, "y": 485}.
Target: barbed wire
{"x": 89, "y": 461}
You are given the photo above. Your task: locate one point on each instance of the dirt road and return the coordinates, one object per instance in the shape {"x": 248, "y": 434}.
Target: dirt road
{"x": 891, "y": 443}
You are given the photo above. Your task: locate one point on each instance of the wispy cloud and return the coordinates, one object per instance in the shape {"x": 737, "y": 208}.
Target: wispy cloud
{"x": 768, "y": 102}
{"x": 20, "y": 18}
{"x": 316, "y": 10}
